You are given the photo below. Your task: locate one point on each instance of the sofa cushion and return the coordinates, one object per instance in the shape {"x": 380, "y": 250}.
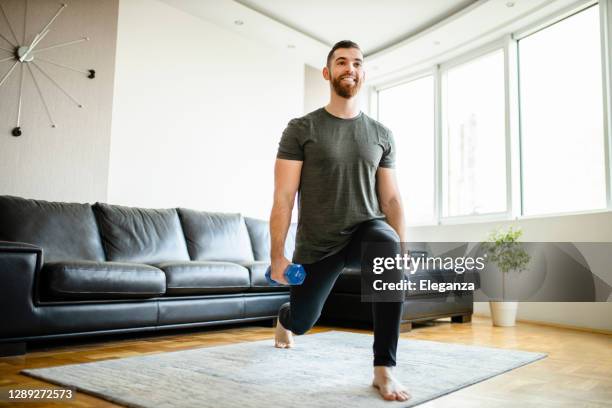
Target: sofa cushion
{"x": 204, "y": 277}
{"x": 140, "y": 235}
{"x": 259, "y": 232}
{"x": 257, "y": 270}
{"x": 216, "y": 236}
{"x": 101, "y": 280}
{"x": 65, "y": 231}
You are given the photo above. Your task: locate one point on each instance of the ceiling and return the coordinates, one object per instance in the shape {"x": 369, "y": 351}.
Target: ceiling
{"x": 308, "y": 29}
{"x": 397, "y": 36}
{"x": 374, "y": 25}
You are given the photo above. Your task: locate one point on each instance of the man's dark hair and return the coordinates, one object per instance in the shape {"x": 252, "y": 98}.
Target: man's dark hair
{"x": 341, "y": 44}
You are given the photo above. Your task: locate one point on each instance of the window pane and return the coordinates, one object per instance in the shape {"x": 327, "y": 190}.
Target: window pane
{"x": 408, "y": 110}
{"x": 473, "y": 148}
{"x": 561, "y": 117}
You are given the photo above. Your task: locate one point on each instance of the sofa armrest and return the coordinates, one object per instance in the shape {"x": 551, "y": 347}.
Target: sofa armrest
{"x": 17, "y": 246}
{"x": 19, "y": 266}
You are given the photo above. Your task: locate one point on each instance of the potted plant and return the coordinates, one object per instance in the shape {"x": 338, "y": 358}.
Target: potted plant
{"x": 508, "y": 255}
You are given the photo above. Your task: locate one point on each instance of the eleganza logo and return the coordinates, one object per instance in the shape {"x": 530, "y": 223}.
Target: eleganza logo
{"x": 423, "y": 285}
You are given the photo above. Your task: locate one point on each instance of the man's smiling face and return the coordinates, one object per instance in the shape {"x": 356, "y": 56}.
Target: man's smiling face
{"x": 345, "y": 72}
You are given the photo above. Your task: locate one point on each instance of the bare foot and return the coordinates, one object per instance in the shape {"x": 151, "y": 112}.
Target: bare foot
{"x": 388, "y": 387}
{"x": 283, "y": 338}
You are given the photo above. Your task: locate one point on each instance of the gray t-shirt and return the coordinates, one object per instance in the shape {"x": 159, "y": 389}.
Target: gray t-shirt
{"x": 337, "y": 188}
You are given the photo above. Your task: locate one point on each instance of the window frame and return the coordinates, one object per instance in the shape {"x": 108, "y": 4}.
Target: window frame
{"x": 509, "y": 45}
{"x": 542, "y": 25}
{"x": 487, "y": 49}
{"x": 374, "y": 107}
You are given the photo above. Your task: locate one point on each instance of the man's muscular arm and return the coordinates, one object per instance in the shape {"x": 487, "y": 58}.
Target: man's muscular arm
{"x": 286, "y": 183}
{"x": 390, "y": 200}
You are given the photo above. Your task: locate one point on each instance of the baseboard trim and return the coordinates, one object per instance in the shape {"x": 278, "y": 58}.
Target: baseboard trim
{"x": 556, "y": 325}
{"x": 12, "y": 349}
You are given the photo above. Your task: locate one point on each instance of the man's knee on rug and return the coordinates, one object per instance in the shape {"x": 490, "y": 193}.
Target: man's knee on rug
{"x": 302, "y": 326}
{"x": 296, "y": 325}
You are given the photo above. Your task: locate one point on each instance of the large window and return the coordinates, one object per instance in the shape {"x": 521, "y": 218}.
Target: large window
{"x": 473, "y": 129}
{"x": 562, "y": 135}
{"x": 515, "y": 129}
{"x": 408, "y": 110}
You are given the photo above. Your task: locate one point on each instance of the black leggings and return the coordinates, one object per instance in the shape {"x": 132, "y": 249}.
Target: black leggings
{"x": 306, "y": 300}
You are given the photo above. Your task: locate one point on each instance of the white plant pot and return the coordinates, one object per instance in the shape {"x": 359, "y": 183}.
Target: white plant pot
{"x": 503, "y": 313}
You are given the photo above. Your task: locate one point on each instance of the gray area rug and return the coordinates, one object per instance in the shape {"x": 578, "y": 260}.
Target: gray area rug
{"x": 328, "y": 369}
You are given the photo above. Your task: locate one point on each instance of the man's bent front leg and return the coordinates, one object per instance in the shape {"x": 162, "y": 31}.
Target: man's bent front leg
{"x": 387, "y": 316}
{"x": 386, "y": 310}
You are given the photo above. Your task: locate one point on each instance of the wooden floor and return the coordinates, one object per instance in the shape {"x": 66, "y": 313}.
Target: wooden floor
{"x": 577, "y": 372}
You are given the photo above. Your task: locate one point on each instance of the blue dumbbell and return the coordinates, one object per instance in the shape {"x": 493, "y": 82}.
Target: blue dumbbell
{"x": 294, "y": 273}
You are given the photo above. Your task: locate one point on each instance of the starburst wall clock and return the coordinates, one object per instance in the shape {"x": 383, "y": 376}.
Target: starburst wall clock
{"x": 27, "y": 58}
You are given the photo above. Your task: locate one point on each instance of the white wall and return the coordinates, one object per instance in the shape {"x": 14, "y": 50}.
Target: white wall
{"x": 316, "y": 88}
{"x": 69, "y": 162}
{"x": 198, "y": 112}
{"x": 570, "y": 228}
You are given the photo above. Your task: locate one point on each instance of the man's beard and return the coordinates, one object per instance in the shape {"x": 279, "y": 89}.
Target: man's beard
{"x": 346, "y": 90}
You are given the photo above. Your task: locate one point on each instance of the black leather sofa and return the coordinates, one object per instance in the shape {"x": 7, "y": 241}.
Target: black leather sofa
{"x": 69, "y": 269}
